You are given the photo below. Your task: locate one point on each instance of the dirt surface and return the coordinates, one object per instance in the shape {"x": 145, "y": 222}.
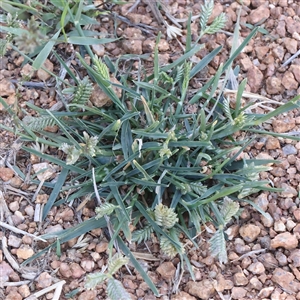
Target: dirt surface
{"x": 264, "y": 256}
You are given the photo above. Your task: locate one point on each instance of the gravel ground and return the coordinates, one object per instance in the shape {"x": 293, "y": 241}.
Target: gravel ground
{"x": 264, "y": 257}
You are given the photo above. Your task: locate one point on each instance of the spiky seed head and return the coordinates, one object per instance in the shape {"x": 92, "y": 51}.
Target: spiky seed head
{"x": 90, "y": 144}
{"x": 165, "y": 216}
{"x": 101, "y": 68}
{"x": 72, "y": 153}
{"x": 168, "y": 248}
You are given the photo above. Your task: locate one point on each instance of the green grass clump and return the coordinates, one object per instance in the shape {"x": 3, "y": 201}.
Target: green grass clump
{"x": 36, "y": 28}
{"x": 147, "y": 162}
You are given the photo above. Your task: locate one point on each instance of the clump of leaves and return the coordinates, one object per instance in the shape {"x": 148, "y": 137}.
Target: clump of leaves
{"x": 34, "y": 28}
{"x": 158, "y": 168}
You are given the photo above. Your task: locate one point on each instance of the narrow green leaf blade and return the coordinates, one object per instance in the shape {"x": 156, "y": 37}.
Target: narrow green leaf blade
{"x": 60, "y": 181}
{"x": 42, "y": 56}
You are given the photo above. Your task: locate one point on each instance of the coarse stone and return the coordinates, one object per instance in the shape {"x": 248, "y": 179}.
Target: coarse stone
{"x": 98, "y": 49}
{"x": 64, "y": 270}
{"x": 295, "y": 258}
{"x": 27, "y": 71}
{"x": 133, "y": 46}
{"x": 259, "y": 14}
{"x": 281, "y": 29}
{"x": 87, "y": 265}
{"x": 267, "y": 220}
{"x": 255, "y": 78}
{"x": 14, "y": 241}
{"x": 14, "y": 206}
{"x": 240, "y": 279}
{"x": 290, "y": 224}
{"x": 283, "y": 3}
{"x": 100, "y": 99}
{"x": 255, "y": 283}
{"x": 54, "y": 228}
{"x": 163, "y": 59}
{"x": 42, "y": 74}
{"x": 249, "y": 232}
{"x": 24, "y": 252}
{"x": 163, "y": 45}
{"x": 288, "y": 191}
{"x": 24, "y": 290}
{"x": 256, "y": 268}
{"x": 292, "y": 25}
{"x": 135, "y": 18}
{"x": 232, "y": 231}
{"x": 279, "y": 226}
{"x": 220, "y": 283}
{"x": 268, "y": 260}
{"x": 232, "y": 256}
{"x": 166, "y": 270}
{"x": 297, "y": 228}
{"x": 278, "y": 172}
{"x": 257, "y": 3}
{"x": 246, "y": 262}
{"x": 289, "y": 150}
{"x": 16, "y": 182}
{"x": 238, "y": 292}
{"x": 7, "y": 88}
{"x": 273, "y": 85}
{"x": 278, "y": 52}
{"x": 66, "y": 214}
{"x": 183, "y": 296}
{"x": 291, "y": 45}
{"x": 88, "y": 295}
{"x": 266, "y": 292}
{"x": 76, "y": 270}
{"x": 262, "y": 201}
{"x": 282, "y": 259}
{"x": 5, "y": 271}
{"x": 246, "y": 2}
{"x": 296, "y": 214}
{"x": 296, "y": 272}
{"x": 129, "y": 283}
{"x": 13, "y": 295}
{"x": 286, "y": 204}
{"x": 285, "y": 240}
{"x": 272, "y": 143}
{"x": 203, "y": 289}
{"x": 133, "y": 33}
{"x": 295, "y": 69}
{"x": 209, "y": 260}
{"x": 285, "y": 280}
{"x": 288, "y": 81}
{"x": 241, "y": 249}
{"x": 148, "y": 45}
{"x": 246, "y": 63}
{"x": 18, "y": 218}
{"x": 44, "y": 280}
{"x": 261, "y": 51}
{"x": 101, "y": 247}
{"x": 6, "y": 173}
{"x": 283, "y": 125}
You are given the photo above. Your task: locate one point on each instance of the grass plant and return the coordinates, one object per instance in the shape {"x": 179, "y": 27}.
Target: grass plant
{"x": 148, "y": 163}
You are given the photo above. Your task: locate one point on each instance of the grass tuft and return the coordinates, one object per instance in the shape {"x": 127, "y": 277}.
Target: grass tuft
{"x": 151, "y": 166}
